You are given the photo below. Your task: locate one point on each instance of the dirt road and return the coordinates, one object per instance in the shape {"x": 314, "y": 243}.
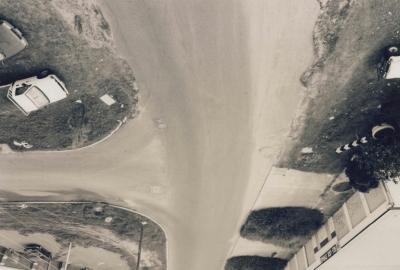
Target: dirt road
{"x": 223, "y": 77}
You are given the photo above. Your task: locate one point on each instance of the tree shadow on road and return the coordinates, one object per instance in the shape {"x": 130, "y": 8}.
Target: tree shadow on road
{"x": 255, "y": 263}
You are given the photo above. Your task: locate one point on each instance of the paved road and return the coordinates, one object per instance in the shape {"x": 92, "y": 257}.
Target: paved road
{"x": 223, "y": 77}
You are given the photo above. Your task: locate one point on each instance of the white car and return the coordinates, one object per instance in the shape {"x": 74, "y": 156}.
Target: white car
{"x": 11, "y": 40}
{"x": 36, "y": 92}
{"x": 393, "y": 70}
{"x": 391, "y": 66}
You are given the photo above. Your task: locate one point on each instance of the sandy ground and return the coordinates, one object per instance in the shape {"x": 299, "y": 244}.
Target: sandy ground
{"x": 15, "y": 240}
{"x": 99, "y": 258}
{"x": 215, "y": 72}
{"x": 286, "y": 187}
{"x": 245, "y": 247}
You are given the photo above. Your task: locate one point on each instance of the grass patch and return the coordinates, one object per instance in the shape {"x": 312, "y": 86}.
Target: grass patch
{"x": 283, "y": 226}
{"x": 255, "y": 263}
{"x": 345, "y": 96}
{"x": 83, "y": 58}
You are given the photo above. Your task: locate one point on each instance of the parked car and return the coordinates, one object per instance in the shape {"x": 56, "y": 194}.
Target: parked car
{"x": 37, "y": 250}
{"x": 390, "y": 66}
{"x": 34, "y": 93}
{"x": 11, "y": 40}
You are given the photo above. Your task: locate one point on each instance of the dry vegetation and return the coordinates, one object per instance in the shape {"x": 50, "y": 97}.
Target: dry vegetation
{"x": 84, "y": 226}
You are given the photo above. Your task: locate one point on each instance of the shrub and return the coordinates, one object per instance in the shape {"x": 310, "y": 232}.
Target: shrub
{"x": 373, "y": 163}
{"x": 283, "y": 226}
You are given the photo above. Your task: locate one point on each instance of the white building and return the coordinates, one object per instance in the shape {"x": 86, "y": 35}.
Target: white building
{"x": 362, "y": 235}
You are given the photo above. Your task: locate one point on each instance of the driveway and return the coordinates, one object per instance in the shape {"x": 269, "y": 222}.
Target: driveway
{"x": 223, "y": 77}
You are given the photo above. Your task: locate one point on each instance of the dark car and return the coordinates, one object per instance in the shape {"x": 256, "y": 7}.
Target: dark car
{"x": 11, "y": 40}
{"x": 37, "y": 250}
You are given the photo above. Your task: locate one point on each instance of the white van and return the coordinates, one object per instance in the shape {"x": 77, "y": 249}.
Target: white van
{"x": 32, "y": 94}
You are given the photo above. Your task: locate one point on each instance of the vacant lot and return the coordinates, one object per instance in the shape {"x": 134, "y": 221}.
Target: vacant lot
{"x": 85, "y": 225}
{"x": 73, "y": 40}
{"x": 346, "y": 98}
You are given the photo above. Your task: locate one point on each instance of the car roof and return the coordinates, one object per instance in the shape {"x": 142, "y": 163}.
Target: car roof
{"x": 51, "y": 88}
{"x": 10, "y": 43}
{"x": 394, "y": 68}
{"x": 37, "y": 97}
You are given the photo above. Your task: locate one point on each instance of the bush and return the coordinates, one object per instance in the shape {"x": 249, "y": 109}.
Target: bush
{"x": 255, "y": 263}
{"x": 373, "y": 163}
{"x": 283, "y": 226}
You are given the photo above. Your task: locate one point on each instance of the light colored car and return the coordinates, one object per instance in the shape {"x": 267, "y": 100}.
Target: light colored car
{"x": 393, "y": 68}
{"x": 390, "y": 69}
{"x": 11, "y": 40}
{"x": 34, "y": 93}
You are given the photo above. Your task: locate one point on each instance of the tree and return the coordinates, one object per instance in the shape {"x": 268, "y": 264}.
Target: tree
{"x": 374, "y": 162}
{"x": 283, "y": 226}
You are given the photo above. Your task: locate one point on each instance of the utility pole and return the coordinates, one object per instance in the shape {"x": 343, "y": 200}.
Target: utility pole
{"x": 69, "y": 253}
{"x": 143, "y": 223}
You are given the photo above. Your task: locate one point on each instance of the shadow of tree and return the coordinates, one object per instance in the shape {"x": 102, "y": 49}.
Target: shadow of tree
{"x": 255, "y": 263}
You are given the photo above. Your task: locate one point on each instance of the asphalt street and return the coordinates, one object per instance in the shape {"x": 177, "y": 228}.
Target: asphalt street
{"x": 223, "y": 78}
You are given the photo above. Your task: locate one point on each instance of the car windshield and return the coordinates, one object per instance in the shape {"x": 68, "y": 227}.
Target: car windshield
{"x": 37, "y": 97}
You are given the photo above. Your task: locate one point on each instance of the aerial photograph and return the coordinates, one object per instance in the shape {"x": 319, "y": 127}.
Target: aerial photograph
{"x": 199, "y": 134}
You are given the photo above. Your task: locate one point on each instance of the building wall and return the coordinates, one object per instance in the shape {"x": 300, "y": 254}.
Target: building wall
{"x": 356, "y": 214}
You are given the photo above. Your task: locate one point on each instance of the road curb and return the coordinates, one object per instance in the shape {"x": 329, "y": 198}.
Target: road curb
{"x": 8, "y": 150}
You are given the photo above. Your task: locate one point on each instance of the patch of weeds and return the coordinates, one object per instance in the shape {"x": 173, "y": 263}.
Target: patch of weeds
{"x": 85, "y": 62}
{"x": 326, "y": 33}
{"x": 84, "y": 225}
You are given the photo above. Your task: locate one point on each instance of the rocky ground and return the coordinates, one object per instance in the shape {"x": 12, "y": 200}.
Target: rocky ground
{"x": 74, "y": 41}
